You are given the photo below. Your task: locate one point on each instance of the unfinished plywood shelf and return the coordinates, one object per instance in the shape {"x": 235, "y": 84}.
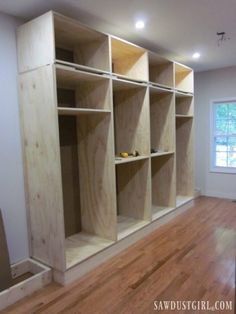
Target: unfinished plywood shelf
{"x": 183, "y": 116}
{"x": 120, "y": 160}
{"x": 161, "y": 71}
{"x": 183, "y": 78}
{"x": 133, "y": 196}
{"x": 183, "y": 105}
{"x": 163, "y": 185}
{"x": 162, "y": 113}
{"x": 182, "y": 200}
{"x": 83, "y": 245}
{"x": 159, "y": 154}
{"x": 128, "y": 60}
{"x": 80, "y": 111}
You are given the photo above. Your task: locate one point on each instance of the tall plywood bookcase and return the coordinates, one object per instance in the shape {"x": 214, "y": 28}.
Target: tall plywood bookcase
{"x": 85, "y": 97}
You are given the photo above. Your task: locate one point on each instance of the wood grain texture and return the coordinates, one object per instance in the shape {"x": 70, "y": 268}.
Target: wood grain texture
{"x": 91, "y": 91}
{"x": 35, "y": 43}
{"x": 162, "y": 120}
{"x": 134, "y": 189}
{"x": 97, "y": 175}
{"x": 161, "y": 70}
{"x": 129, "y": 60}
{"x": 163, "y": 182}
{"x": 183, "y": 78}
{"x": 184, "y": 105}
{"x": 89, "y": 47}
{"x": 131, "y": 115}
{"x": 184, "y": 157}
{"x": 42, "y": 165}
{"x": 169, "y": 264}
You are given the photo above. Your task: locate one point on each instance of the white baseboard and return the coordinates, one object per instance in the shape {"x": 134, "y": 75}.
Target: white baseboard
{"x": 231, "y": 196}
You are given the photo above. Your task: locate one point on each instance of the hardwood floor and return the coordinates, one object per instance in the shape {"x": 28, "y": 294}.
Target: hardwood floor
{"x": 190, "y": 258}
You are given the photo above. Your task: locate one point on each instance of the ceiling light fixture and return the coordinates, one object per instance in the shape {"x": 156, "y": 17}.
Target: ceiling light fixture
{"x": 196, "y": 55}
{"x": 140, "y": 24}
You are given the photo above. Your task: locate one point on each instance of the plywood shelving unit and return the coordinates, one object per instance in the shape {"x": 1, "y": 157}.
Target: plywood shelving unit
{"x": 161, "y": 71}
{"x": 85, "y": 97}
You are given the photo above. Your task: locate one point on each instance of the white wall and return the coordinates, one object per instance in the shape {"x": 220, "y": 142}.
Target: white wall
{"x": 12, "y": 200}
{"x": 211, "y": 85}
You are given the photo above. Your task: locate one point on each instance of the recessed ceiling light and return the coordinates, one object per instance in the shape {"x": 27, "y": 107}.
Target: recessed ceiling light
{"x": 196, "y": 55}
{"x": 140, "y": 24}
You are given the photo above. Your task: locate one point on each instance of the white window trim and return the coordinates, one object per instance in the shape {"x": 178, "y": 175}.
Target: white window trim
{"x": 213, "y": 168}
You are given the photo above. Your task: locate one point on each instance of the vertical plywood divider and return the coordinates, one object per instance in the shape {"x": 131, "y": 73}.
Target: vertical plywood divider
{"x": 42, "y": 165}
{"x": 96, "y": 167}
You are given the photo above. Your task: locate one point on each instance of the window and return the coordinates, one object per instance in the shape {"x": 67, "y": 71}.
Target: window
{"x": 223, "y": 137}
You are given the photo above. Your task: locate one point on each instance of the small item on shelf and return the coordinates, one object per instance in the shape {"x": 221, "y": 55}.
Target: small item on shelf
{"x": 124, "y": 154}
{"x": 154, "y": 150}
{"x": 135, "y": 153}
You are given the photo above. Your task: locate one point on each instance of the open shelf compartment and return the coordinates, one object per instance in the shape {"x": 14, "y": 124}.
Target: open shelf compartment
{"x": 183, "y": 78}
{"x": 161, "y": 70}
{"x": 131, "y": 118}
{"x": 78, "y": 89}
{"x": 133, "y": 196}
{"x": 88, "y": 177}
{"x": 184, "y": 160}
{"x": 76, "y": 43}
{"x": 162, "y": 119}
{"x": 163, "y": 185}
{"x": 129, "y": 60}
{"x": 183, "y": 105}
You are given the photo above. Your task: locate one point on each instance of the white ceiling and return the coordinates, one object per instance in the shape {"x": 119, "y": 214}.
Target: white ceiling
{"x": 174, "y": 28}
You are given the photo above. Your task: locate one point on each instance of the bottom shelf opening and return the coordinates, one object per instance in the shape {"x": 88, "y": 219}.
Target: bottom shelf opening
{"x": 127, "y": 225}
{"x": 183, "y": 199}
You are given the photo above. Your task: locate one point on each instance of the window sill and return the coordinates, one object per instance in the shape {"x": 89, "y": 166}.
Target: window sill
{"x": 223, "y": 170}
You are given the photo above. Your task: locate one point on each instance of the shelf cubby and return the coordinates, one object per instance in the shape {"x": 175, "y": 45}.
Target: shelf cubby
{"x": 128, "y": 60}
{"x": 184, "y": 160}
{"x": 183, "y": 105}
{"x": 87, "y": 176}
{"x": 78, "y": 44}
{"x": 78, "y": 89}
{"x": 183, "y": 78}
{"x": 133, "y": 196}
{"x": 163, "y": 185}
{"x": 162, "y": 119}
{"x": 131, "y": 118}
{"x": 161, "y": 71}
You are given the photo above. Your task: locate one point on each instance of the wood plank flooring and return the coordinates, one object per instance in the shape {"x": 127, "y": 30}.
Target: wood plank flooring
{"x": 190, "y": 258}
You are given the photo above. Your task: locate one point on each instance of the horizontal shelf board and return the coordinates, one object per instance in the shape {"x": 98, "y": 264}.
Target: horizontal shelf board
{"x": 129, "y": 159}
{"x": 80, "y": 111}
{"x": 121, "y": 84}
{"x": 162, "y": 154}
{"x": 160, "y": 89}
{"x": 122, "y": 48}
{"x": 127, "y": 78}
{"x": 128, "y": 225}
{"x": 159, "y": 211}
{"x": 179, "y": 94}
{"x": 84, "y": 68}
{"x": 183, "y": 199}
{"x": 179, "y": 68}
{"x": 183, "y": 92}
{"x": 83, "y": 245}
{"x": 183, "y": 116}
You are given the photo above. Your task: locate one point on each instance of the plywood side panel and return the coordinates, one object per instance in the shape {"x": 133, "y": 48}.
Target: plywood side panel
{"x": 134, "y": 189}
{"x": 163, "y": 181}
{"x": 42, "y": 165}
{"x": 184, "y": 157}
{"x": 97, "y": 175}
{"x": 35, "y": 43}
{"x": 162, "y": 115}
{"x": 131, "y": 109}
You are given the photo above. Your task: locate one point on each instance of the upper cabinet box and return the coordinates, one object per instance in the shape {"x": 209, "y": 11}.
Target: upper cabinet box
{"x": 54, "y": 38}
{"x": 129, "y": 61}
{"x": 183, "y": 78}
{"x": 161, "y": 71}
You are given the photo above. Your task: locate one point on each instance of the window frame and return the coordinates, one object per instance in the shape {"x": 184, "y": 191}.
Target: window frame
{"x": 213, "y": 168}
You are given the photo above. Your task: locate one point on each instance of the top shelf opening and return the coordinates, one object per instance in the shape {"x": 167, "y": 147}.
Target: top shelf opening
{"x": 161, "y": 70}
{"x": 183, "y": 78}
{"x": 129, "y": 60}
{"x": 76, "y": 43}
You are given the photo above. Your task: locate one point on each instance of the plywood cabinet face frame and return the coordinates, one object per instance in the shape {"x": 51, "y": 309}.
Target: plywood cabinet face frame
{"x": 101, "y": 98}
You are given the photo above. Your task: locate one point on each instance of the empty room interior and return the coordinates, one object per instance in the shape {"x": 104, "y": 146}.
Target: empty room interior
{"x": 118, "y": 156}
